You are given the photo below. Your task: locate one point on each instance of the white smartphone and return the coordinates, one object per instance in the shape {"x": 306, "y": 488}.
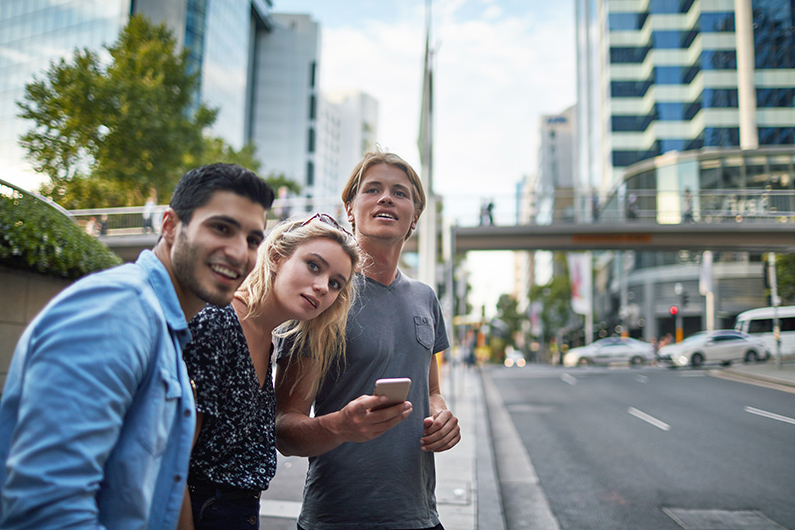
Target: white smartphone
{"x": 396, "y": 389}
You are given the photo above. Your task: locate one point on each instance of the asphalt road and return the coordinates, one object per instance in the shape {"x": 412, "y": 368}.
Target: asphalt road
{"x": 653, "y": 448}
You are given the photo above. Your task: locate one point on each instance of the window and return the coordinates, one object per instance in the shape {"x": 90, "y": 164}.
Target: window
{"x": 310, "y": 173}
{"x": 311, "y": 141}
{"x": 312, "y": 107}
{"x": 764, "y": 325}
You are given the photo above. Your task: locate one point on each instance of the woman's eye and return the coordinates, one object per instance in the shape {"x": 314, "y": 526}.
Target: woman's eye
{"x": 313, "y": 266}
{"x": 335, "y": 285}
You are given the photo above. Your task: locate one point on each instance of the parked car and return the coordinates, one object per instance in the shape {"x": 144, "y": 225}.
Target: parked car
{"x": 610, "y": 350}
{"x": 514, "y": 358}
{"x": 722, "y": 346}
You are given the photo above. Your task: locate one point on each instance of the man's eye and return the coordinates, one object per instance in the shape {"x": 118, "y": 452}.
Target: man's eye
{"x": 254, "y": 242}
{"x": 222, "y": 228}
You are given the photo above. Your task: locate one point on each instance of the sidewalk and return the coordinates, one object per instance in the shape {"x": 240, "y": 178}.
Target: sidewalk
{"x": 769, "y": 372}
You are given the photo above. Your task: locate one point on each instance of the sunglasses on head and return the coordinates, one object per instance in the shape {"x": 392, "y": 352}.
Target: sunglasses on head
{"x": 327, "y": 219}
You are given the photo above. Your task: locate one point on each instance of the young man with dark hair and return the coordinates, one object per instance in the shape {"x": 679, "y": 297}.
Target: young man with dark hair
{"x": 97, "y": 414}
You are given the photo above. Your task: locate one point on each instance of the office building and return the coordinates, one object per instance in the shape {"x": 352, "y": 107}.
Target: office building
{"x": 685, "y": 108}
{"x": 220, "y": 35}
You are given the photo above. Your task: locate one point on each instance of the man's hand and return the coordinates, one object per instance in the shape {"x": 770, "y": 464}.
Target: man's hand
{"x": 358, "y": 422}
{"x": 440, "y": 432}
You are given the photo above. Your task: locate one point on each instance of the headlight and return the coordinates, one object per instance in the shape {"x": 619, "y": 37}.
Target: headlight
{"x": 681, "y": 360}
{"x": 508, "y": 362}
{"x": 520, "y": 362}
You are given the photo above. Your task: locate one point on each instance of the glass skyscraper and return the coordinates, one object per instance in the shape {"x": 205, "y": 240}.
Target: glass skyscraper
{"x": 220, "y": 35}
{"x": 688, "y": 106}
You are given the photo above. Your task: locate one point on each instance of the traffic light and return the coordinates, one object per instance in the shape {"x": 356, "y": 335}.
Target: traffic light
{"x": 684, "y": 299}
{"x": 674, "y": 310}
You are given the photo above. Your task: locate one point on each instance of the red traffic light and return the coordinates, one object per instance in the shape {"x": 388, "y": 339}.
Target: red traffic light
{"x": 674, "y": 310}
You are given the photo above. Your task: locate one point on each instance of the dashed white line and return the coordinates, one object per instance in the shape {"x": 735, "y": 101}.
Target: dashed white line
{"x": 770, "y": 415}
{"x": 649, "y": 419}
{"x": 566, "y": 378}
{"x": 642, "y": 379}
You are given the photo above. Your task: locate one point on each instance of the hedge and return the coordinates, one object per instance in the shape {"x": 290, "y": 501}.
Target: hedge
{"x": 36, "y": 237}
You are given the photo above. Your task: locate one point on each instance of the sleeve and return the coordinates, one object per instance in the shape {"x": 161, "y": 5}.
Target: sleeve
{"x": 206, "y": 353}
{"x": 86, "y": 358}
{"x": 441, "y": 342}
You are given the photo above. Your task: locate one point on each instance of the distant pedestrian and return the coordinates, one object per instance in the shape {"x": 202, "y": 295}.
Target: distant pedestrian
{"x": 632, "y": 207}
{"x": 688, "y": 200}
{"x": 91, "y": 226}
{"x": 103, "y": 225}
{"x": 149, "y": 211}
{"x": 97, "y": 414}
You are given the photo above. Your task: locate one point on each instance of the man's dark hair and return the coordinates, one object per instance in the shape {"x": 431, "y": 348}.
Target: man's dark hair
{"x": 197, "y": 186}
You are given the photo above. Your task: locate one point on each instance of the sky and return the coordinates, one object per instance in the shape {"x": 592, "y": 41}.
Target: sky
{"x": 499, "y": 65}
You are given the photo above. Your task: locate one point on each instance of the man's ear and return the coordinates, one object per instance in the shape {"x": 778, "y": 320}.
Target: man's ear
{"x": 349, "y": 211}
{"x": 170, "y": 226}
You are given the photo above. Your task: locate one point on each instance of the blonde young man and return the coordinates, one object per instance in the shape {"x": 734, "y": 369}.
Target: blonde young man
{"x": 373, "y": 468}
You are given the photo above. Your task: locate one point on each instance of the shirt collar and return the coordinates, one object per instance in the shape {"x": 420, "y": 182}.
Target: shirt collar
{"x": 161, "y": 283}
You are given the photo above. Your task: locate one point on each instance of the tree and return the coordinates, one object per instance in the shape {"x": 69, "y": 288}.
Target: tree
{"x": 105, "y": 132}
{"x": 785, "y": 274}
{"x": 507, "y": 312}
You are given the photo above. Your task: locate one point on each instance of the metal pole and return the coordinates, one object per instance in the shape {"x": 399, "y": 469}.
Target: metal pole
{"x": 771, "y": 268}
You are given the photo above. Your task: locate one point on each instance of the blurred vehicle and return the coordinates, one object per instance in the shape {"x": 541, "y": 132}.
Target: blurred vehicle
{"x": 611, "y": 350}
{"x": 722, "y": 346}
{"x": 514, "y": 358}
{"x": 759, "y": 323}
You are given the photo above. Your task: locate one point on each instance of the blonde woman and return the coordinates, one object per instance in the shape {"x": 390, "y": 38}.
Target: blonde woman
{"x": 301, "y": 288}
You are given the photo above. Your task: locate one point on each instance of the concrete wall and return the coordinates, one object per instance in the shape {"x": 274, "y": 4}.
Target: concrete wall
{"x": 22, "y": 296}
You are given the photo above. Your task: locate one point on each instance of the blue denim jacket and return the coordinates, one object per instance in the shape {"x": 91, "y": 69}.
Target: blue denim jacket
{"x": 97, "y": 414}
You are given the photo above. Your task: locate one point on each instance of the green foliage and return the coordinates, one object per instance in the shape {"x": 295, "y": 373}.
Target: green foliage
{"x": 277, "y": 181}
{"x": 217, "y": 150}
{"x": 507, "y": 312}
{"x": 106, "y": 133}
{"x": 35, "y": 237}
{"x": 555, "y": 298}
{"x": 785, "y": 276}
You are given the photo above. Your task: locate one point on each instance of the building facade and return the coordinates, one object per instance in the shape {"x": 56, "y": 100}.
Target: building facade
{"x": 220, "y": 35}
{"x": 686, "y": 112}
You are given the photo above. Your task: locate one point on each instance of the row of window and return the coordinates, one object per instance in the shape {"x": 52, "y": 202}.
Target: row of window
{"x": 709, "y": 98}
{"x": 710, "y": 137}
{"x": 708, "y": 60}
{"x": 706, "y": 23}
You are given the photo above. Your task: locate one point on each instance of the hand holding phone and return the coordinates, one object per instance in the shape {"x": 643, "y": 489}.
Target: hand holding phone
{"x": 396, "y": 389}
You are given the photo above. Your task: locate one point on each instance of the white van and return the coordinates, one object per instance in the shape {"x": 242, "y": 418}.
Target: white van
{"x": 759, "y": 323}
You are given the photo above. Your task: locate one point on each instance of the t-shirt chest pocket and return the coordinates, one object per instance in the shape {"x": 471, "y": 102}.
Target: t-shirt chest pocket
{"x": 423, "y": 326}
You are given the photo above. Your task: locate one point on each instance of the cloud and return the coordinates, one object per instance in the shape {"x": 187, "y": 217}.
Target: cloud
{"x": 496, "y": 72}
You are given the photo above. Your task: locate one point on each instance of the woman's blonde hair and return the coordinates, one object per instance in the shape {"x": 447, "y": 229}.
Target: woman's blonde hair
{"x": 322, "y": 338}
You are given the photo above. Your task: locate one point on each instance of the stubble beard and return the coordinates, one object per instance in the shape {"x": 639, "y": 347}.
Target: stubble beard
{"x": 185, "y": 262}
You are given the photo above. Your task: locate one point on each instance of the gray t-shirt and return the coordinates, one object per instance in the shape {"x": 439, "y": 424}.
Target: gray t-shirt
{"x": 386, "y": 483}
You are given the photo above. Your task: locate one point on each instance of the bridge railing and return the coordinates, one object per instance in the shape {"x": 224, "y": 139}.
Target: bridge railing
{"x": 648, "y": 206}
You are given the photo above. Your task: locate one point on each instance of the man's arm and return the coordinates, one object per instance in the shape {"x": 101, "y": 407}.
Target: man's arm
{"x": 298, "y": 434}
{"x": 441, "y": 430}
{"x": 82, "y": 371}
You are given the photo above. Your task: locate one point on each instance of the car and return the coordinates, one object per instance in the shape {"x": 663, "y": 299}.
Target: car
{"x": 514, "y": 358}
{"x": 610, "y": 350}
{"x": 723, "y": 346}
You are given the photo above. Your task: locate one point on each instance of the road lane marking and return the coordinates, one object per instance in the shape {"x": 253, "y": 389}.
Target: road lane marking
{"x": 566, "y": 378}
{"x": 649, "y": 419}
{"x": 770, "y": 415}
{"x": 642, "y": 379}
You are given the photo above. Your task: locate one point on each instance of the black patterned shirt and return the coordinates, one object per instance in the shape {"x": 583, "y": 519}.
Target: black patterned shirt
{"x": 236, "y": 446}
